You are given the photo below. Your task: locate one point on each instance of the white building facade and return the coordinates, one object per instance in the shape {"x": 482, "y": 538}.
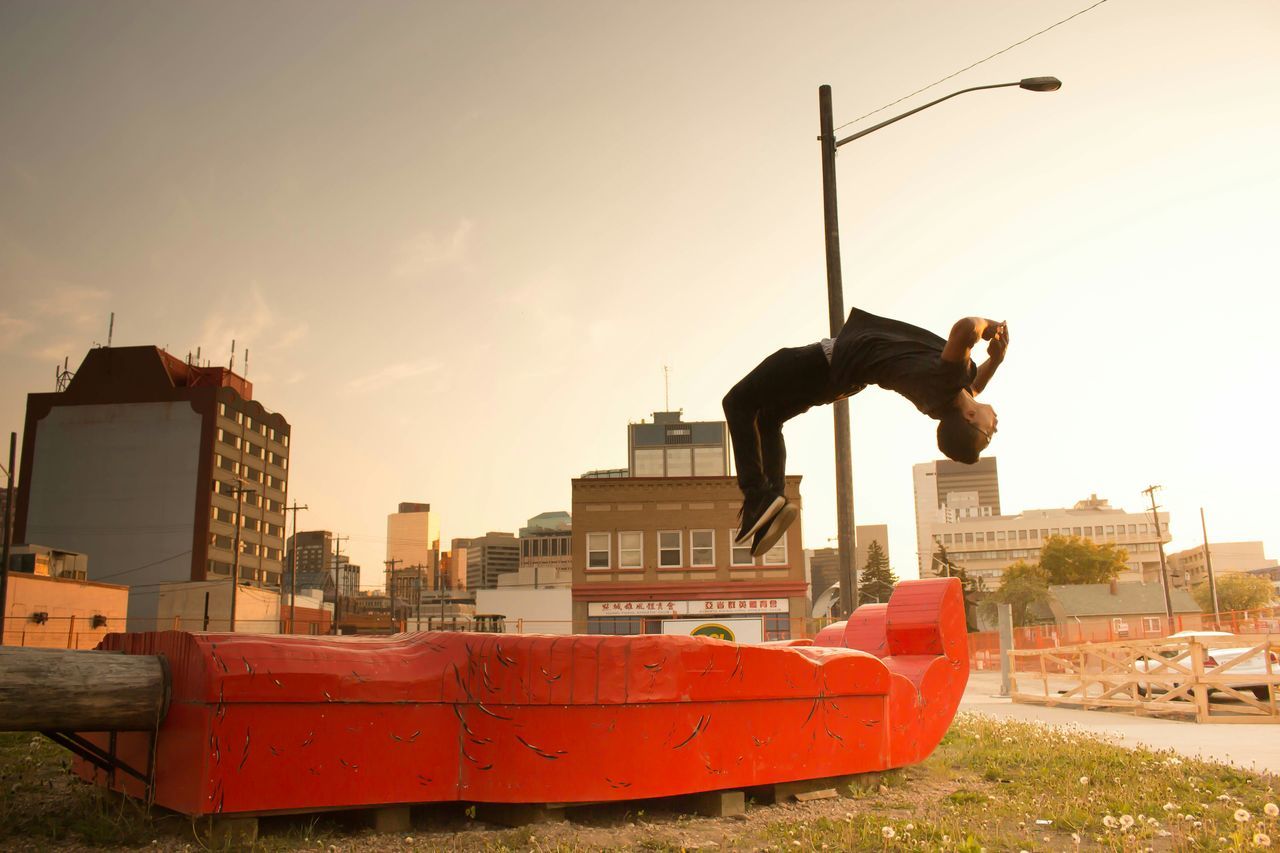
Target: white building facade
{"x": 985, "y": 545}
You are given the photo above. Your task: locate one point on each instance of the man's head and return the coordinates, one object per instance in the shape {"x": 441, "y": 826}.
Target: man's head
{"x": 966, "y": 429}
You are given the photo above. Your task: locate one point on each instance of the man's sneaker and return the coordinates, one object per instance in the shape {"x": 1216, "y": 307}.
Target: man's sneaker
{"x": 768, "y": 536}
{"x": 756, "y": 513}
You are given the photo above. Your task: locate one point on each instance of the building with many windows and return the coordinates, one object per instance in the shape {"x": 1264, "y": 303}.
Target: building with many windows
{"x": 671, "y": 447}
{"x": 484, "y": 559}
{"x": 149, "y": 465}
{"x": 1188, "y": 568}
{"x": 653, "y": 550}
{"x": 947, "y": 491}
{"x": 985, "y": 545}
{"x": 321, "y": 565}
{"x": 546, "y": 546}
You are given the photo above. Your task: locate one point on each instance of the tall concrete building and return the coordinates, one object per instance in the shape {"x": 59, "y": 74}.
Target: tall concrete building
{"x": 671, "y": 447}
{"x": 148, "y": 464}
{"x": 947, "y": 491}
{"x": 486, "y": 558}
{"x": 986, "y": 545}
{"x": 824, "y": 563}
{"x": 321, "y": 565}
{"x": 413, "y": 543}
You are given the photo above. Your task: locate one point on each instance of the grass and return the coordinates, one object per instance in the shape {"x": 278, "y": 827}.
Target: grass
{"x": 991, "y": 785}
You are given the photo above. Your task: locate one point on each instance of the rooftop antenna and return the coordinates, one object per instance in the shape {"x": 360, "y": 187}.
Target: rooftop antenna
{"x": 62, "y": 375}
{"x": 666, "y": 388}
{"x": 111, "y": 328}
{"x": 198, "y": 357}
{"x": 232, "y": 365}
{"x": 246, "y": 363}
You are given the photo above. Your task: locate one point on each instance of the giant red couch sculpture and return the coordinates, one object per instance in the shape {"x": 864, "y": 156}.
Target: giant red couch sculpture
{"x": 260, "y": 724}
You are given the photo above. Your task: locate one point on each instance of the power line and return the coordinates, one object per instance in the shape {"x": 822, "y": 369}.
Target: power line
{"x": 140, "y": 568}
{"x": 974, "y": 65}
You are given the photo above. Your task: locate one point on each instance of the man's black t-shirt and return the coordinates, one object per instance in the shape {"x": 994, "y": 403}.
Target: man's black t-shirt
{"x": 873, "y": 350}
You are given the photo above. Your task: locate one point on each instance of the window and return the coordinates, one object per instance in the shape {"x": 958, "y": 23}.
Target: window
{"x": 1111, "y": 530}
{"x": 946, "y": 537}
{"x": 1022, "y": 534}
{"x": 740, "y": 555}
{"x": 649, "y": 463}
{"x": 708, "y": 462}
{"x": 597, "y": 550}
{"x": 285, "y": 440}
{"x": 222, "y": 409}
{"x": 615, "y": 625}
{"x": 777, "y": 626}
{"x": 1075, "y": 531}
{"x": 679, "y": 462}
{"x": 1151, "y": 624}
{"x": 670, "y": 552}
{"x": 630, "y": 550}
{"x": 1133, "y": 528}
{"x": 702, "y": 547}
{"x": 777, "y": 555}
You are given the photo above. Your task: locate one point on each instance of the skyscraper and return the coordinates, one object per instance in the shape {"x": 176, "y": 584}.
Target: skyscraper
{"x": 413, "y": 552}
{"x": 946, "y": 491}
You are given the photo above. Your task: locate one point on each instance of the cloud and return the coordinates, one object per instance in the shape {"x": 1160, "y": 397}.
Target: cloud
{"x": 254, "y": 325}
{"x": 11, "y": 330}
{"x": 80, "y": 305}
{"x": 392, "y": 373}
{"x": 428, "y": 252}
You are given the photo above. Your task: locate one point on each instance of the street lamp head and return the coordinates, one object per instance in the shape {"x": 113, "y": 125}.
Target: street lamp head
{"x": 1040, "y": 84}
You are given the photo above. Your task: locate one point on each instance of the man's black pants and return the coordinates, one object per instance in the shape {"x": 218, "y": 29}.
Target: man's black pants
{"x": 787, "y": 383}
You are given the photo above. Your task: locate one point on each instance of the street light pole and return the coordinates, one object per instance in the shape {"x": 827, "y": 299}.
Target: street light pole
{"x": 835, "y": 309}
{"x": 835, "y": 316}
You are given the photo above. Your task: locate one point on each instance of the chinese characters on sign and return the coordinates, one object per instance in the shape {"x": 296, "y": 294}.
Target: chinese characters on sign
{"x": 708, "y": 607}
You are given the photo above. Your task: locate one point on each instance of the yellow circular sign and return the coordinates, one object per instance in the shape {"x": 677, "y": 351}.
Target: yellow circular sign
{"x": 712, "y": 629}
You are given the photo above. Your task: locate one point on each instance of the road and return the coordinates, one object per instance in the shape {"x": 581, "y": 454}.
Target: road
{"x": 1250, "y": 746}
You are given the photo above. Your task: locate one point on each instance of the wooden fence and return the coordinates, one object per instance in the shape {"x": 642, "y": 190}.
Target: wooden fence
{"x": 1155, "y": 677}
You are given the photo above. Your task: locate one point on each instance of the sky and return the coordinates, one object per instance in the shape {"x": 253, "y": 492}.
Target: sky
{"x": 462, "y": 240}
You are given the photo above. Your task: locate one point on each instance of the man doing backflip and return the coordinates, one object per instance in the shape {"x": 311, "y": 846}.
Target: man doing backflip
{"x": 936, "y": 375}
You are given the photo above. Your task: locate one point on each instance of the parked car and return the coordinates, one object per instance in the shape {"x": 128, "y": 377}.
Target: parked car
{"x": 1255, "y": 664}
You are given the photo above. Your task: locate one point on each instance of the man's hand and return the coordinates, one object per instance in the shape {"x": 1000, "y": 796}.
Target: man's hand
{"x": 991, "y": 328}
{"x": 999, "y": 342}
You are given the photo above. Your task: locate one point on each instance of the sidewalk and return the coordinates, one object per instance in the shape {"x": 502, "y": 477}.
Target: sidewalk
{"x": 1252, "y": 747}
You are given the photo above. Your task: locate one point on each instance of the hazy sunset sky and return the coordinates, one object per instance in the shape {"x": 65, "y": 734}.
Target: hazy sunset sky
{"x": 461, "y": 240}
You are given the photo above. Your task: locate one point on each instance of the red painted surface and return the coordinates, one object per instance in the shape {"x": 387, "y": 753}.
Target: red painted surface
{"x": 279, "y": 723}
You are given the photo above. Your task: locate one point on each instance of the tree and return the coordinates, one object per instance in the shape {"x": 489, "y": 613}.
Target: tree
{"x": 1235, "y": 592}
{"x": 877, "y": 580}
{"x": 975, "y": 590}
{"x": 1072, "y": 560}
{"x": 1022, "y": 585}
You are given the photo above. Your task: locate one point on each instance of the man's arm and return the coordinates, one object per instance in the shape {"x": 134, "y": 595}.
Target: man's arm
{"x": 995, "y": 357}
{"x": 964, "y": 335}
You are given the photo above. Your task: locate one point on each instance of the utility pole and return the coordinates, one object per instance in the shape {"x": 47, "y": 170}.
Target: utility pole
{"x": 293, "y": 569}
{"x": 391, "y": 593}
{"x": 835, "y": 315}
{"x": 337, "y": 580}
{"x": 1208, "y": 566}
{"x": 8, "y": 536}
{"x": 235, "y": 551}
{"x": 1150, "y": 491}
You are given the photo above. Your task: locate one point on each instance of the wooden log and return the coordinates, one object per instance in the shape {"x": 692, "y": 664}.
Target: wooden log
{"x": 72, "y": 691}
